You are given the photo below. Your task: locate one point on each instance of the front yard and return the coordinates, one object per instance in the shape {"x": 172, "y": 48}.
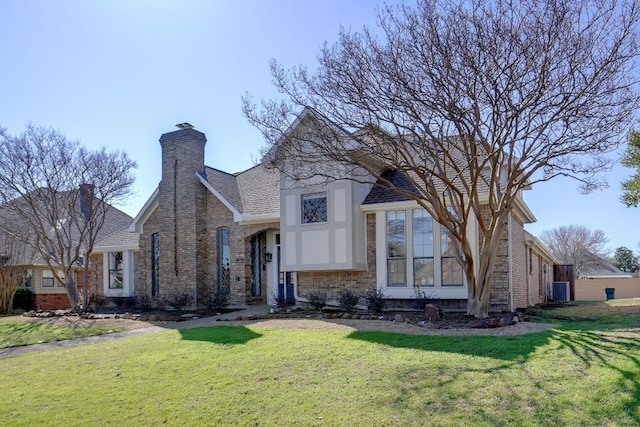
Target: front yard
{"x": 585, "y": 372}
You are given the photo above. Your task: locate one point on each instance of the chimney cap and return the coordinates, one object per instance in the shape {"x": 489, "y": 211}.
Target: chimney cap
{"x": 184, "y": 125}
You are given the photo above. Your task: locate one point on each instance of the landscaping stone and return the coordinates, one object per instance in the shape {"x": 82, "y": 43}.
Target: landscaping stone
{"x": 398, "y": 318}
{"x": 189, "y": 316}
{"x": 432, "y": 313}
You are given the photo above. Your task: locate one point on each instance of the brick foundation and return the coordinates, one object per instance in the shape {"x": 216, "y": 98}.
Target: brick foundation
{"x": 51, "y": 302}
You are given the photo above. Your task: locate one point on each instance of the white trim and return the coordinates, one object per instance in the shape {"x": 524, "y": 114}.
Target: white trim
{"x": 257, "y": 219}
{"x": 510, "y": 258}
{"x": 373, "y": 208}
{"x": 408, "y": 291}
{"x": 237, "y": 216}
{"x": 127, "y": 275}
{"x": 144, "y": 214}
{"x": 523, "y": 212}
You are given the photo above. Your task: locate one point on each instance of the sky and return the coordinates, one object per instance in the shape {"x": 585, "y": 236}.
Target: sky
{"x": 120, "y": 73}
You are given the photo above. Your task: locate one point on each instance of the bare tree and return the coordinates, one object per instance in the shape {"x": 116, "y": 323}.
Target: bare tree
{"x": 474, "y": 101}
{"x": 15, "y": 261}
{"x": 56, "y": 196}
{"x": 576, "y": 245}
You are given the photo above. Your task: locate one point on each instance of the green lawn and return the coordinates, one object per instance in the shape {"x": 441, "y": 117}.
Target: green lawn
{"x": 582, "y": 373}
{"x": 14, "y": 334}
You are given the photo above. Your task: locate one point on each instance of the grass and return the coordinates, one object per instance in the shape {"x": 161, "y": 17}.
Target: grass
{"x": 14, "y": 334}
{"x": 582, "y": 373}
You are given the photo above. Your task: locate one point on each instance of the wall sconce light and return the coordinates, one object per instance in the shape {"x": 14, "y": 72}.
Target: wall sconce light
{"x": 268, "y": 256}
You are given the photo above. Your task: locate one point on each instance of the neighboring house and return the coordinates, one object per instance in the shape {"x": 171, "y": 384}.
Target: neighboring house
{"x": 259, "y": 235}
{"x": 599, "y": 268}
{"x": 50, "y": 295}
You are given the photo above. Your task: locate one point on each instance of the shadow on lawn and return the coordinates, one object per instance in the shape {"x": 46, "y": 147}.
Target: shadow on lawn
{"x": 220, "y": 334}
{"x": 510, "y": 348}
{"x": 616, "y": 350}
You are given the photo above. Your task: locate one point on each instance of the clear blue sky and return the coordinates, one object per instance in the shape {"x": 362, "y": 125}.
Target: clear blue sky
{"x": 119, "y": 73}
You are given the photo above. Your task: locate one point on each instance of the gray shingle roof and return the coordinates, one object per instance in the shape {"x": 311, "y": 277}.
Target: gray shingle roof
{"x": 225, "y": 184}
{"x": 382, "y": 193}
{"x": 255, "y": 191}
{"x": 260, "y": 190}
{"x": 121, "y": 238}
{"x": 115, "y": 220}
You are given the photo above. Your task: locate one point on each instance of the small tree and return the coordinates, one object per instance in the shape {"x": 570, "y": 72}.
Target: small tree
{"x": 472, "y": 101}
{"x": 625, "y": 260}
{"x": 631, "y": 159}
{"x": 576, "y": 245}
{"x": 55, "y": 196}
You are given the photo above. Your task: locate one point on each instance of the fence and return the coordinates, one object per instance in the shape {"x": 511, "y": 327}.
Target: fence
{"x": 593, "y": 289}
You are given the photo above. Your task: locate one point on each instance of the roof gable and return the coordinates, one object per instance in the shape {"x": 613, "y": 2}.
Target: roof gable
{"x": 382, "y": 192}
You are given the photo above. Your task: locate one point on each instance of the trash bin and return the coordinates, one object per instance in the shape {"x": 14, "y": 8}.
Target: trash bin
{"x": 611, "y": 293}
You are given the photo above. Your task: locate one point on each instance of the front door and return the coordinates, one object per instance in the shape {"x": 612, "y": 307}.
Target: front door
{"x": 285, "y": 280}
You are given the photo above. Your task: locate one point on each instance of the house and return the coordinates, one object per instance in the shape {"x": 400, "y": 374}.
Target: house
{"x": 261, "y": 235}
{"x": 113, "y": 241}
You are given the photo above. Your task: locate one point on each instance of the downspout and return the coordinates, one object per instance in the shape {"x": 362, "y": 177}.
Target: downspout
{"x": 510, "y": 258}
{"x": 527, "y": 273}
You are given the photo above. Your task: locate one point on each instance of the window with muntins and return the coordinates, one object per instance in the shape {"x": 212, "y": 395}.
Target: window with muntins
{"x": 314, "y": 207}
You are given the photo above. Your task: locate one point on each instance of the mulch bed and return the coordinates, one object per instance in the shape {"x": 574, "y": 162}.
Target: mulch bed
{"x": 448, "y": 320}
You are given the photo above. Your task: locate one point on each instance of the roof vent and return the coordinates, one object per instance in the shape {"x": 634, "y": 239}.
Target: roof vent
{"x": 184, "y": 125}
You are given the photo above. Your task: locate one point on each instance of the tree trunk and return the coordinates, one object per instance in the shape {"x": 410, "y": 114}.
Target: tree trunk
{"x": 72, "y": 293}
{"x": 480, "y": 286}
{"x": 85, "y": 283}
{"x": 8, "y": 288}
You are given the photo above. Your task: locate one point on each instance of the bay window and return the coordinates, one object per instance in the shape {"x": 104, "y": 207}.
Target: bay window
{"x": 419, "y": 252}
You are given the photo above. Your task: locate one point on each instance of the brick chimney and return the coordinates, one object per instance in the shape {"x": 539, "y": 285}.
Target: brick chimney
{"x": 180, "y": 209}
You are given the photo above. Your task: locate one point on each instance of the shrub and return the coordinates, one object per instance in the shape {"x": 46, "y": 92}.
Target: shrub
{"x": 97, "y": 301}
{"x": 23, "y": 300}
{"x": 124, "y": 302}
{"x": 348, "y": 300}
{"x": 144, "y": 302}
{"x": 280, "y": 300}
{"x": 217, "y": 299}
{"x": 375, "y": 301}
{"x": 179, "y": 300}
{"x": 317, "y": 299}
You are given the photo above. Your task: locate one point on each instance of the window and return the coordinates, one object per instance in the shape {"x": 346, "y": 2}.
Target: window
{"x": 25, "y": 281}
{"x": 423, "y": 273}
{"x": 115, "y": 270}
{"x": 314, "y": 208}
{"x": 451, "y": 270}
{"x": 224, "y": 259}
{"x": 419, "y": 252}
{"x": 396, "y": 249}
{"x": 48, "y": 280}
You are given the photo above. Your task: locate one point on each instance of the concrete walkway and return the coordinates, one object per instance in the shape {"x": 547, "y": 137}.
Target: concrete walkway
{"x": 194, "y": 323}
